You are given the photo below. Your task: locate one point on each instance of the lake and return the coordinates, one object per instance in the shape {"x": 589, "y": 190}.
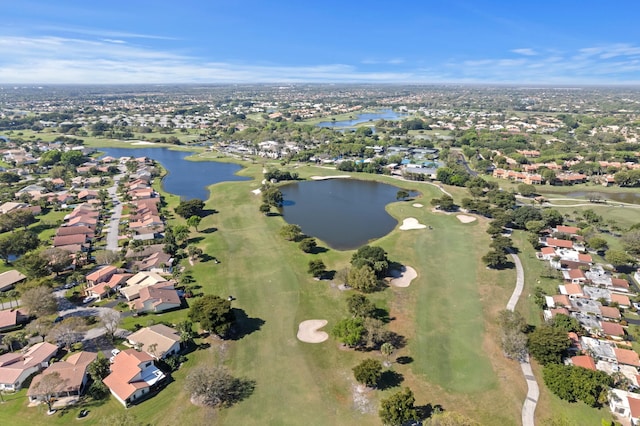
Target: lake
{"x": 623, "y": 197}
{"x": 385, "y": 114}
{"x": 188, "y": 179}
{"x": 344, "y": 213}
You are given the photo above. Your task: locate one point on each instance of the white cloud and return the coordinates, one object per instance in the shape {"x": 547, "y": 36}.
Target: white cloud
{"x": 525, "y": 51}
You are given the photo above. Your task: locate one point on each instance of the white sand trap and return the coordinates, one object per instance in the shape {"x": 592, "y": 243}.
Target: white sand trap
{"x": 308, "y": 331}
{"x": 256, "y": 191}
{"x": 330, "y": 177}
{"x": 417, "y": 205}
{"x": 143, "y": 143}
{"x": 465, "y": 218}
{"x": 411, "y": 223}
{"x": 403, "y": 276}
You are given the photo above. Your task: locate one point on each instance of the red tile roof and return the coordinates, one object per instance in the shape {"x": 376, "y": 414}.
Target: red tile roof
{"x": 584, "y": 361}
{"x": 612, "y": 329}
{"x": 610, "y": 312}
{"x": 554, "y": 242}
{"x": 627, "y": 357}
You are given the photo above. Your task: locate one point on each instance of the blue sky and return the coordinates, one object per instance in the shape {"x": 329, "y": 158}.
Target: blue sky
{"x": 253, "y": 41}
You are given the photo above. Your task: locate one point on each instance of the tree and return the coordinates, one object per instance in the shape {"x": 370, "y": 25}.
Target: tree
{"x": 495, "y": 259}
{"x": 8, "y": 177}
{"x": 39, "y": 301}
{"x": 68, "y": 331}
{"x": 273, "y": 197}
{"x": 265, "y": 209}
{"x": 535, "y": 226}
{"x": 181, "y": 233}
{"x": 185, "y": 330}
{"x": 215, "y": 386}
{"x": 34, "y": 264}
{"x": 524, "y": 214}
{"x": 189, "y": 208}
{"x": 99, "y": 368}
{"x": 363, "y": 279}
{"x": 17, "y": 243}
{"x": 552, "y": 217}
{"x": 513, "y": 340}
{"x": 368, "y": 372}
{"x": 110, "y": 320}
{"x": 402, "y": 194}
{"x": 566, "y": 323}
{"x": 618, "y": 258}
{"x": 48, "y": 387}
{"x": 72, "y": 158}
{"x": 387, "y": 349}
{"x": 374, "y": 257}
{"x": 501, "y": 243}
{"x": 444, "y": 203}
{"x": 58, "y": 259}
{"x": 631, "y": 242}
{"x": 213, "y": 313}
{"x": 359, "y": 306}
{"x": 526, "y": 190}
{"x": 548, "y": 344}
{"x": 317, "y": 268}
{"x": 307, "y": 245}
{"x": 17, "y": 219}
{"x": 398, "y": 408}
{"x": 291, "y": 232}
{"x": 577, "y": 384}
{"x": 349, "y": 331}
{"x": 193, "y": 222}
{"x": 40, "y": 326}
{"x": 597, "y": 243}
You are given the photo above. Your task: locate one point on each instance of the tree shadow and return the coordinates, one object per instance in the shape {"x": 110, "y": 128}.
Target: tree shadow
{"x": 195, "y": 240}
{"x": 428, "y": 410}
{"x": 382, "y": 315}
{"x": 207, "y": 212}
{"x": 208, "y": 230}
{"x": 390, "y": 379}
{"x": 207, "y": 258}
{"x": 242, "y": 389}
{"x": 273, "y": 214}
{"x": 244, "y": 325}
{"x": 403, "y": 360}
{"x": 328, "y": 275}
{"x": 319, "y": 249}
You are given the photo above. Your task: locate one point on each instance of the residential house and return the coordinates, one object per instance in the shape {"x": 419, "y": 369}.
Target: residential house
{"x": 158, "y": 262}
{"x": 140, "y": 281}
{"x": 9, "y": 279}
{"x": 157, "y": 298}
{"x": 16, "y": 367}
{"x": 621, "y": 299}
{"x": 625, "y": 405}
{"x": 165, "y": 339}
{"x": 13, "y": 206}
{"x": 627, "y": 357}
{"x": 613, "y": 330}
{"x": 133, "y": 376}
{"x": 71, "y": 239}
{"x": 115, "y": 282}
{"x": 584, "y": 361}
{"x": 12, "y": 318}
{"x": 73, "y": 376}
{"x": 101, "y": 275}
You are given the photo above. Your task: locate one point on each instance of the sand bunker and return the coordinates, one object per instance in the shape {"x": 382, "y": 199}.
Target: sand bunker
{"x": 403, "y": 276}
{"x": 308, "y": 331}
{"x": 143, "y": 143}
{"x": 330, "y": 177}
{"x": 465, "y": 218}
{"x": 417, "y": 205}
{"x": 256, "y": 191}
{"x": 411, "y": 223}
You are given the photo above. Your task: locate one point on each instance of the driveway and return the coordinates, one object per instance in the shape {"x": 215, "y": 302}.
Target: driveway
{"x": 112, "y": 230}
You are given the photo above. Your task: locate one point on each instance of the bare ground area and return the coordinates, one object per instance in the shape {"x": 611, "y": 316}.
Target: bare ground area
{"x": 308, "y": 331}
{"x": 402, "y": 277}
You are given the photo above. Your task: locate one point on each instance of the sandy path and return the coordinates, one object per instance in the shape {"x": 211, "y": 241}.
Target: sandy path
{"x": 411, "y": 223}
{"x": 308, "y": 331}
{"x": 465, "y": 218}
{"x": 403, "y": 276}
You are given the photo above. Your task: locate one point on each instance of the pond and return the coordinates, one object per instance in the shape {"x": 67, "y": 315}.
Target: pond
{"x": 623, "y": 197}
{"x": 344, "y": 213}
{"x": 385, "y": 114}
{"x": 188, "y": 179}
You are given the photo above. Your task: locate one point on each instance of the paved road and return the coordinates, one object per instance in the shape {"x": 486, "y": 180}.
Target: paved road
{"x": 112, "y": 232}
{"x": 533, "y": 391}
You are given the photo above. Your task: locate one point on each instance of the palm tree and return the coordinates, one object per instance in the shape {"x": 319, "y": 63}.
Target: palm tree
{"x": 2, "y": 296}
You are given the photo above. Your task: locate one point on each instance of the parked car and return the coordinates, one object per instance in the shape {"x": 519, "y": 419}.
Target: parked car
{"x": 89, "y": 299}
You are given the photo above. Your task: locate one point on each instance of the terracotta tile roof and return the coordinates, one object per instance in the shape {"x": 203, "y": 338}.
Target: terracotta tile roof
{"x": 561, "y": 300}
{"x": 627, "y": 357}
{"x": 567, "y": 229}
{"x": 548, "y": 250}
{"x": 554, "y": 242}
{"x": 612, "y": 329}
{"x": 585, "y": 258}
{"x": 65, "y": 240}
{"x": 576, "y": 274}
{"x": 556, "y": 311}
{"x": 621, "y": 299}
{"x": 619, "y": 282}
{"x": 9, "y": 278}
{"x": 71, "y": 371}
{"x": 125, "y": 368}
{"x": 634, "y": 406}
{"x": 584, "y": 361}
{"x": 14, "y": 363}
{"x": 75, "y": 230}
{"x": 573, "y": 289}
{"x": 102, "y": 273}
{"x": 610, "y": 312}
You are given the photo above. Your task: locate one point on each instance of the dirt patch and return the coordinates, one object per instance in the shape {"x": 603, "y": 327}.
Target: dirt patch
{"x": 402, "y": 277}
{"x": 411, "y": 223}
{"x": 308, "y": 331}
{"x": 418, "y": 205}
{"x": 466, "y": 218}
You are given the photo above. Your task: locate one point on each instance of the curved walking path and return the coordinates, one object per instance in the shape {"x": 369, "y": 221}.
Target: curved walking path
{"x": 533, "y": 391}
